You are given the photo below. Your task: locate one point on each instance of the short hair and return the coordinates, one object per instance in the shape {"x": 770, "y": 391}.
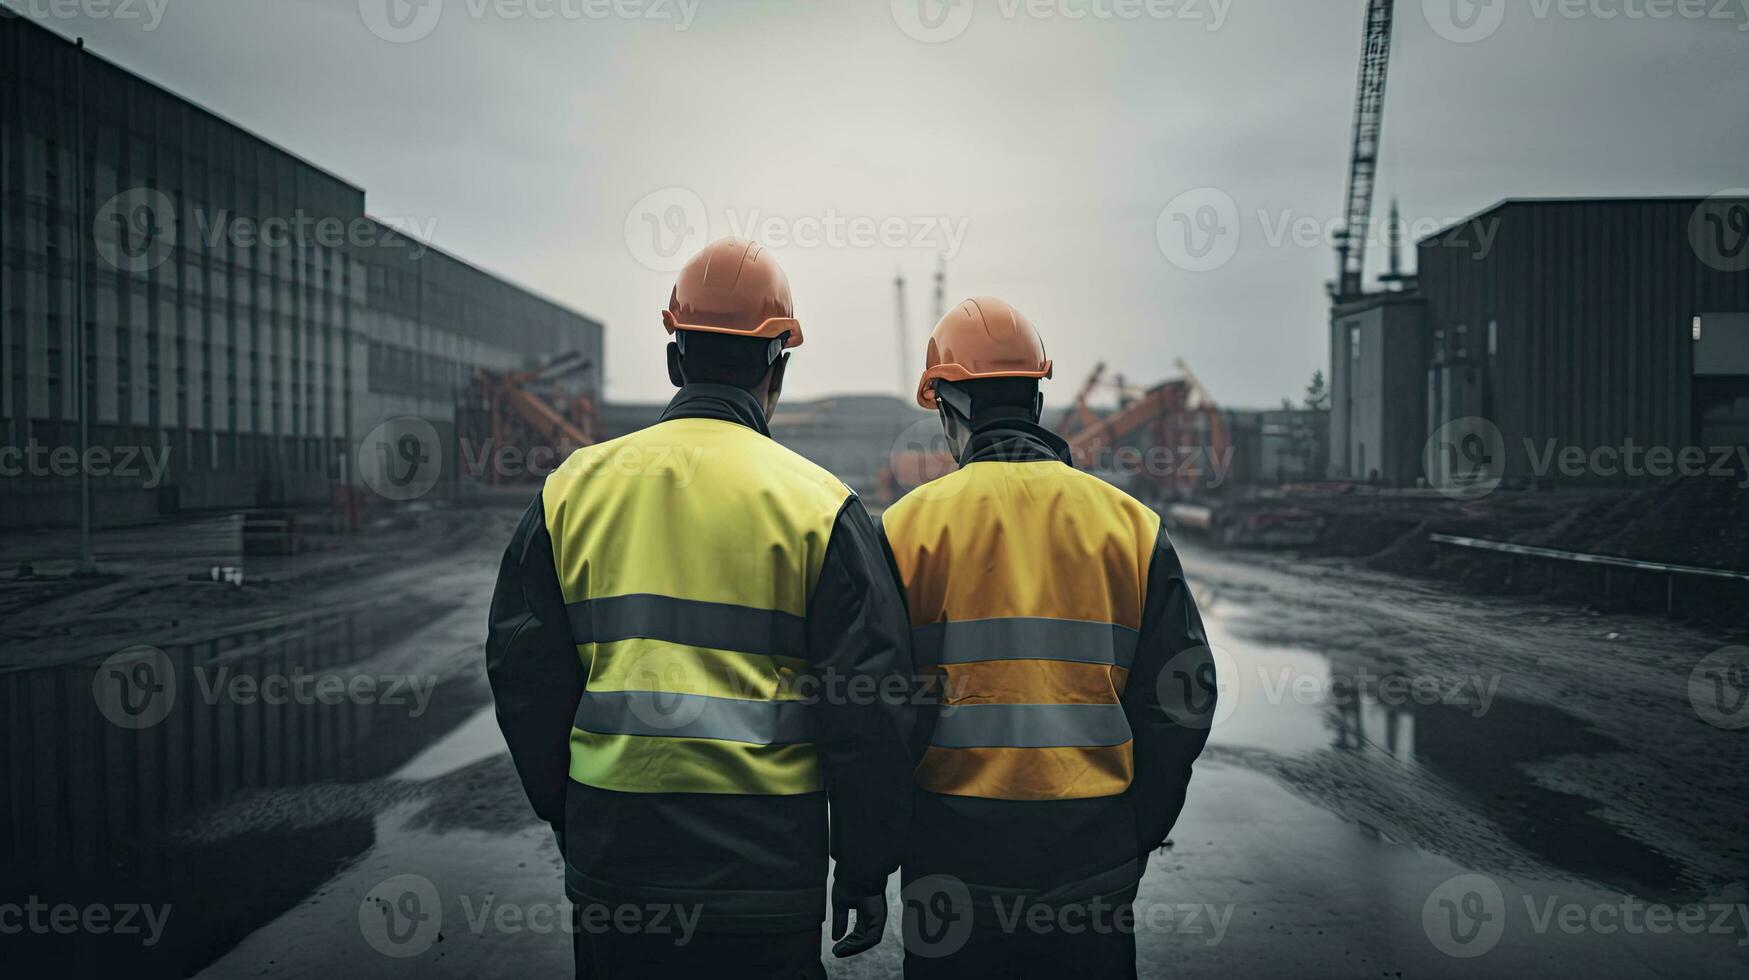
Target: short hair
{"x": 717, "y": 358}
{"x": 1000, "y": 396}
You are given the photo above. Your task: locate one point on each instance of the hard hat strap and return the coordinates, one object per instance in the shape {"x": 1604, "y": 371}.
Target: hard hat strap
{"x": 954, "y": 397}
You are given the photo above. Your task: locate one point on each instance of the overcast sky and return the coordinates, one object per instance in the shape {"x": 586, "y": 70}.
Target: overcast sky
{"x": 582, "y": 154}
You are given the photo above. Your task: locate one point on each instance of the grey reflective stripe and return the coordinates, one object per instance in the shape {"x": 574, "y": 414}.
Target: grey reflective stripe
{"x": 689, "y": 622}
{"x": 1030, "y": 726}
{"x": 693, "y": 716}
{"x": 1021, "y": 638}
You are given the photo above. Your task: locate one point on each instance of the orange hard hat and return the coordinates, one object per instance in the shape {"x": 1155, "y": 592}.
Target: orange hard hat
{"x": 733, "y": 287}
{"x": 983, "y": 337}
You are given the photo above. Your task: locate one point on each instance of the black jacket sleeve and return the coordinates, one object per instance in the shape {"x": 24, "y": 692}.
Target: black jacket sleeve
{"x": 532, "y": 664}
{"x": 1169, "y": 698}
{"x": 859, "y": 639}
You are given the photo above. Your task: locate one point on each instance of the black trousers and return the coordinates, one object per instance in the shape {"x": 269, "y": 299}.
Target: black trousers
{"x": 612, "y": 955}
{"x": 1101, "y": 945}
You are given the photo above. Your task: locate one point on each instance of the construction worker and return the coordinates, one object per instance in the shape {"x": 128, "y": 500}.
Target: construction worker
{"x": 696, "y": 644}
{"x": 1076, "y": 685}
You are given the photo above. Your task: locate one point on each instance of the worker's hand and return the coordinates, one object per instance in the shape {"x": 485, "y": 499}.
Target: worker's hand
{"x": 871, "y": 924}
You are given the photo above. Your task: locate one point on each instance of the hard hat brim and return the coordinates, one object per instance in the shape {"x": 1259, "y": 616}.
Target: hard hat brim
{"x": 776, "y": 326}
{"x": 957, "y": 372}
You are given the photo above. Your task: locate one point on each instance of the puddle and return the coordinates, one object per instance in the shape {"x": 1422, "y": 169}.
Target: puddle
{"x": 109, "y": 808}
{"x": 1441, "y": 762}
{"x": 475, "y": 740}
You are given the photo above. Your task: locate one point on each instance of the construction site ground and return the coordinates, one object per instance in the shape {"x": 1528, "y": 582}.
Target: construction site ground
{"x": 1572, "y": 771}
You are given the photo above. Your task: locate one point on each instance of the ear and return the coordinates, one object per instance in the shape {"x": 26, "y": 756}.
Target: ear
{"x": 1038, "y": 407}
{"x": 676, "y": 370}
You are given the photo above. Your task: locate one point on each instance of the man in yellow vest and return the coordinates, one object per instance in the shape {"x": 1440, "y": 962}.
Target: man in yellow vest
{"x": 1076, "y": 685}
{"x": 696, "y": 644}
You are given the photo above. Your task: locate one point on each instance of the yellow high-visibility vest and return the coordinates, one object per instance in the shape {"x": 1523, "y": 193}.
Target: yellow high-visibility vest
{"x": 686, "y": 553}
{"x": 1025, "y": 583}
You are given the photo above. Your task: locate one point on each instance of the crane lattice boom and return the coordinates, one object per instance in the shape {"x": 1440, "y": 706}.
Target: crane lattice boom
{"x": 1369, "y": 115}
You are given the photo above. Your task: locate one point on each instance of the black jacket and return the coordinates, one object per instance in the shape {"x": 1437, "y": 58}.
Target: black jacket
{"x": 752, "y": 863}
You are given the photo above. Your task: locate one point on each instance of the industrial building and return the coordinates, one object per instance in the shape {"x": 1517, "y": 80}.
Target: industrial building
{"x": 251, "y": 364}
{"x": 1595, "y": 324}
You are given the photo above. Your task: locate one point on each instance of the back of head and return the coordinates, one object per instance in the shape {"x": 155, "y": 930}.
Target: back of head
{"x": 731, "y": 316}
{"x": 984, "y": 364}
{"x": 983, "y": 400}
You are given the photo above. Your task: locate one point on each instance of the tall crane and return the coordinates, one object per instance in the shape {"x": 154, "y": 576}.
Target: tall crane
{"x": 1369, "y": 117}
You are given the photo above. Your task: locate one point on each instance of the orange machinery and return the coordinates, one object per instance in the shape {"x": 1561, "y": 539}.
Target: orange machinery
{"x": 1178, "y": 415}
{"x": 530, "y": 410}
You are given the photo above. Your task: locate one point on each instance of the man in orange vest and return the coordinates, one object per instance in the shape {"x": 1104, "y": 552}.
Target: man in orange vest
{"x": 1076, "y": 685}
{"x": 696, "y": 645}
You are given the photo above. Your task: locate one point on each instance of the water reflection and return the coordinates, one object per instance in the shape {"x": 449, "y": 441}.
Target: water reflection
{"x": 1361, "y": 720}
{"x": 101, "y": 809}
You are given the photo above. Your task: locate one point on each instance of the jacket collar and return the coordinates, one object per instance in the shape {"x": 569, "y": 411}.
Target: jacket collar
{"x": 1014, "y": 441}
{"x": 725, "y": 403}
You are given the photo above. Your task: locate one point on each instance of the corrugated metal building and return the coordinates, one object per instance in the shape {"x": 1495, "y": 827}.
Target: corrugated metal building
{"x": 254, "y": 362}
{"x": 1566, "y": 323}
{"x": 1378, "y": 412}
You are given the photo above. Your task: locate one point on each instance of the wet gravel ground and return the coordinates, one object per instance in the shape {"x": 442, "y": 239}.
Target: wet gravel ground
{"x": 1551, "y": 783}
